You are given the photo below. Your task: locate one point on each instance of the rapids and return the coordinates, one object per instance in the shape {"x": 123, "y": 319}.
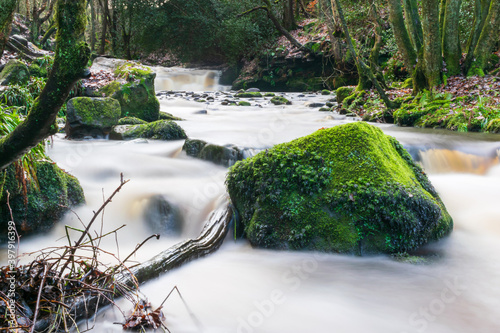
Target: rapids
{"x": 245, "y": 290}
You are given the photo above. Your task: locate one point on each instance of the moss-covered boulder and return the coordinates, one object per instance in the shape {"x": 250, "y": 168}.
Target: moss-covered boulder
{"x": 221, "y": 155}
{"x": 91, "y": 116}
{"x": 137, "y": 95}
{"x": 343, "y": 92}
{"x": 244, "y": 103}
{"x": 280, "y": 100}
{"x": 168, "y": 116}
{"x": 347, "y": 189}
{"x": 157, "y": 130}
{"x": 14, "y": 72}
{"x": 248, "y": 94}
{"x": 43, "y": 205}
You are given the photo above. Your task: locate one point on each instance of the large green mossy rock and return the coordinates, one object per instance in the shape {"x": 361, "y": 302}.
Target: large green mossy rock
{"x": 137, "y": 95}
{"x": 347, "y": 189}
{"x": 14, "y": 72}
{"x": 91, "y": 116}
{"x": 157, "y": 130}
{"x": 42, "y": 206}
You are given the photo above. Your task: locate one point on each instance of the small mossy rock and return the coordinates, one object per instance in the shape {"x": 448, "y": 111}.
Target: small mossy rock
{"x": 269, "y": 94}
{"x": 325, "y": 109}
{"x": 37, "y": 71}
{"x": 244, "y": 103}
{"x": 91, "y": 116}
{"x": 347, "y": 189}
{"x": 162, "y": 216}
{"x": 248, "y": 94}
{"x": 14, "y": 72}
{"x": 193, "y": 147}
{"x": 325, "y": 92}
{"x": 168, "y": 116}
{"x": 343, "y": 92}
{"x": 280, "y": 100}
{"x": 137, "y": 96}
{"x": 131, "y": 121}
{"x": 157, "y": 130}
{"x": 57, "y": 191}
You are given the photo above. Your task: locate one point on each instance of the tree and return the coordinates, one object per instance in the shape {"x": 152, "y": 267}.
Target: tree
{"x": 7, "y": 8}
{"x": 426, "y": 39}
{"x": 71, "y": 58}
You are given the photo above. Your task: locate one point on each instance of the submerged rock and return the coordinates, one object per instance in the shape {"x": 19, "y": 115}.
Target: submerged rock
{"x": 43, "y": 205}
{"x": 280, "y": 100}
{"x": 162, "y": 216}
{"x": 91, "y": 116}
{"x": 220, "y": 155}
{"x": 348, "y": 189}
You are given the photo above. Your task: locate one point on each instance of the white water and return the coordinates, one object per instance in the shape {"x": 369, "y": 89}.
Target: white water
{"x": 240, "y": 289}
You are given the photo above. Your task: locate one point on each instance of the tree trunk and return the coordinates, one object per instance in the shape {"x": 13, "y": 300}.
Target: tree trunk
{"x": 93, "y": 24}
{"x": 288, "y": 16}
{"x": 6, "y": 17}
{"x": 451, "y": 42}
{"x": 52, "y": 29}
{"x": 401, "y": 35}
{"x": 433, "y": 59}
{"x": 71, "y": 57}
{"x": 489, "y": 35}
{"x": 105, "y": 14}
{"x": 413, "y": 23}
{"x": 336, "y": 43}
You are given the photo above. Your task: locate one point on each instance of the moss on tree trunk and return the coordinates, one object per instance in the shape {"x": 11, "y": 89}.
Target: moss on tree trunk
{"x": 7, "y": 8}
{"x": 71, "y": 58}
{"x": 432, "y": 42}
{"x": 451, "y": 41}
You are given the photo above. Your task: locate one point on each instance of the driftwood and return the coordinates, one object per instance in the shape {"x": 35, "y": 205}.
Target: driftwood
{"x": 210, "y": 239}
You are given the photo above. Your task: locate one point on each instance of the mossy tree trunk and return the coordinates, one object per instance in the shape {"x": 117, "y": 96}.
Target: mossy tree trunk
{"x": 489, "y": 35}
{"x": 364, "y": 72}
{"x": 71, "y": 57}
{"x": 7, "y": 8}
{"x": 401, "y": 34}
{"x": 412, "y": 20}
{"x": 452, "y": 51}
{"x": 432, "y": 42}
{"x": 479, "y": 19}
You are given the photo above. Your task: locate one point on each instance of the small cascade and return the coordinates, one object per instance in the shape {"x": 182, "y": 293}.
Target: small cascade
{"x": 445, "y": 161}
{"x": 182, "y": 79}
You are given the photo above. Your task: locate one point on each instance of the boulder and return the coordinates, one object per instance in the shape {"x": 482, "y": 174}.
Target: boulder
{"x": 157, "y": 130}
{"x": 43, "y": 205}
{"x": 91, "y": 116}
{"x": 280, "y": 100}
{"x": 343, "y": 92}
{"x": 14, "y": 72}
{"x": 226, "y": 156}
{"x": 163, "y": 217}
{"x": 347, "y": 189}
{"x": 137, "y": 94}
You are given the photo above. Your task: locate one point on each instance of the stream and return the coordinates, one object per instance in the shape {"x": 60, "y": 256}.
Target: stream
{"x": 245, "y": 290}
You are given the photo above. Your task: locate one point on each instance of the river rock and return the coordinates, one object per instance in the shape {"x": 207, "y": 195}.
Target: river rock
{"x": 162, "y": 216}
{"x": 44, "y": 204}
{"x": 157, "y": 130}
{"x": 347, "y": 189}
{"x": 14, "y": 72}
{"x": 137, "y": 95}
{"x": 220, "y": 155}
{"x": 314, "y": 104}
{"x": 91, "y": 116}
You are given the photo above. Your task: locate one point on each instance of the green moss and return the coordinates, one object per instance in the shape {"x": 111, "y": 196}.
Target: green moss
{"x": 131, "y": 121}
{"x": 193, "y": 147}
{"x": 14, "y": 72}
{"x": 269, "y": 94}
{"x": 157, "y": 130}
{"x": 280, "y": 100}
{"x": 42, "y": 207}
{"x": 345, "y": 189}
{"x": 98, "y": 112}
{"x": 248, "y": 94}
{"x": 244, "y": 103}
{"x": 325, "y": 109}
{"x": 408, "y": 83}
{"x": 343, "y": 92}
{"x": 132, "y": 71}
{"x": 325, "y": 92}
{"x": 110, "y": 88}
{"x": 494, "y": 126}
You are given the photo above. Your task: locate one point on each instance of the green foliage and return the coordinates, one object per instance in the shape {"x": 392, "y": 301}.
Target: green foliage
{"x": 23, "y": 95}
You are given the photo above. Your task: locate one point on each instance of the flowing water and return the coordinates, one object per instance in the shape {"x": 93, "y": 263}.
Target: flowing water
{"x": 240, "y": 289}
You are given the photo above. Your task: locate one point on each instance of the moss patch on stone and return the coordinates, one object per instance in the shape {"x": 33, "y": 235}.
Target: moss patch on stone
{"x": 248, "y": 94}
{"x": 280, "y": 100}
{"x": 131, "y": 121}
{"x": 348, "y": 189}
{"x": 41, "y": 207}
{"x": 244, "y": 103}
{"x": 168, "y": 116}
{"x": 157, "y": 130}
{"x": 343, "y": 92}
{"x": 14, "y": 72}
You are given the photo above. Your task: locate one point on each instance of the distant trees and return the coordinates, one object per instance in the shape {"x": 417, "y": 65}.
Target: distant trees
{"x": 7, "y": 8}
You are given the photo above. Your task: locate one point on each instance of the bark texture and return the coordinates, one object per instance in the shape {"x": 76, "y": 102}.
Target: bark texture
{"x": 451, "y": 41}
{"x": 432, "y": 42}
